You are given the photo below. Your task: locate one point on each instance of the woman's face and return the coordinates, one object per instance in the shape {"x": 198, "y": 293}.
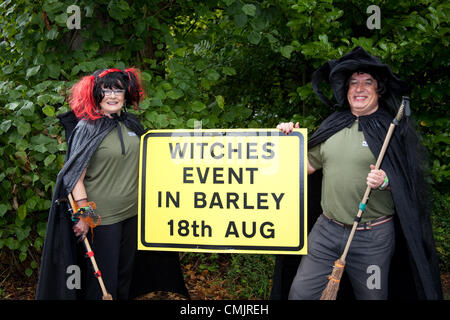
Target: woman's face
{"x": 113, "y": 101}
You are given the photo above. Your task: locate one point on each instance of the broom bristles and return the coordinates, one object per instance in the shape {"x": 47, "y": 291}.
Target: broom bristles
{"x": 107, "y": 296}
{"x": 332, "y": 287}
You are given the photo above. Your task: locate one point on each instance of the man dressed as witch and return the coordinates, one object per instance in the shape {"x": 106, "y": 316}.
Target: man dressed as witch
{"x": 392, "y": 255}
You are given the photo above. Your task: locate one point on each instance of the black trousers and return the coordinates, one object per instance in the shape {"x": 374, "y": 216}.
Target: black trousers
{"x": 114, "y": 248}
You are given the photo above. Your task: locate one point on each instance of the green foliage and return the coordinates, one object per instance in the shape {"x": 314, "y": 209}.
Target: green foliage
{"x": 245, "y": 276}
{"x": 226, "y": 63}
{"x": 441, "y": 225}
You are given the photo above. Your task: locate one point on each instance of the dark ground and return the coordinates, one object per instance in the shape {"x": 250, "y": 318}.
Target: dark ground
{"x": 202, "y": 285}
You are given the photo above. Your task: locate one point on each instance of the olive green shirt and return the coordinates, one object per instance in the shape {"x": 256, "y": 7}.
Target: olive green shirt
{"x": 111, "y": 179}
{"x": 345, "y": 159}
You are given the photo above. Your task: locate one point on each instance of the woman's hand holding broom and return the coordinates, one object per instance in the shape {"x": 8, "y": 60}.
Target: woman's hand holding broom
{"x": 80, "y": 229}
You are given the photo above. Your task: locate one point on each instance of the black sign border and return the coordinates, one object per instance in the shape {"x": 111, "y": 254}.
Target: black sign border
{"x": 222, "y": 133}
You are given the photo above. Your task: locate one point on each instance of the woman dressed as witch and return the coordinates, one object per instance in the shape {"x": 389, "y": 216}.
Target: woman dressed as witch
{"x": 101, "y": 173}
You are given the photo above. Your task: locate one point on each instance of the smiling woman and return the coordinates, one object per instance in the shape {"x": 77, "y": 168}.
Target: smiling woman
{"x": 102, "y": 166}
{"x": 112, "y": 102}
{"x": 105, "y": 92}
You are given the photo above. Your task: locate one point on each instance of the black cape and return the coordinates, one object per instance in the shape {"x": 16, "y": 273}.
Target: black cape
{"x": 414, "y": 271}
{"x": 153, "y": 271}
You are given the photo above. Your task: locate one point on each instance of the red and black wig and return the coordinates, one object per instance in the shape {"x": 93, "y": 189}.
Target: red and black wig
{"x": 86, "y": 94}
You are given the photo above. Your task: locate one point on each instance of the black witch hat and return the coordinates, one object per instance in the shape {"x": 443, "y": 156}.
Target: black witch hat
{"x": 337, "y": 73}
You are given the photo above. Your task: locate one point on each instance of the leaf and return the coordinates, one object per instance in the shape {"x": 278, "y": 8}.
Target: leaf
{"x": 191, "y": 123}
{"x": 161, "y": 121}
{"x": 198, "y": 106}
{"x": 12, "y": 106}
{"x": 22, "y": 256}
{"x": 254, "y": 37}
{"x": 41, "y": 228}
{"x": 27, "y": 108}
{"x": 212, "y": 75}
{"x": 421, "y": 27}
{"x": 22, "y": 211}
{"x": 12, "y": 243}
{"x": 32, "y": 71}
{"x": 49, "y": 111}
{"x": 52, "y": 34}
{"x": 156, "y": 102}
{"x": 145, "y": 103}
{"x": 22, "y": 232}
{"x": 119, "y": 9}
{"x": 54, "y": 70}
{"x": 220, "y": 102}
{"x": 8, "y": 69}
{"x": 286, "y": 51}
{"x": 21, "y": 156}
{"x": 140, "y": 27}
{"x": 31, "y": 203}
{"x": 229, "y": 71}
{"x": 151, "y": 116}
{"x": 40, "y": 148}
{"x": 146, "y": 76}
{"x": 3, "y": 209}
{"x": 323, "y": 38}
{"x": 240, "y": 20}
{"x": 49, "y": 159}
{"x": 24, "y": 128}
{"x": 61, "y": 19}
{"x": 249, "y": 9}
{"x": 5, "y": 125}
{"x": 175, "y": 94}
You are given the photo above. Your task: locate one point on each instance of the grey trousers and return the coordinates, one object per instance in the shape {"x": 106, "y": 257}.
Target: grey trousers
{"x": 367, "y": 262}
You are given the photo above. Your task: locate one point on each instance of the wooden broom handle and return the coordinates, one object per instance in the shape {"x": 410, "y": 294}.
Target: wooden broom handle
{"x": 377, "y": 166}
{"x": 90, "y": 254}
{"x": 368, "y": 189}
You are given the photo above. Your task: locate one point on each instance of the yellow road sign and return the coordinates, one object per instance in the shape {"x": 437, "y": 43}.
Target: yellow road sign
{"x": 236, "y": 190}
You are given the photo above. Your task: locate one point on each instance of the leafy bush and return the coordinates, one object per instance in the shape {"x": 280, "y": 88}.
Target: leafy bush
{"x": 243, "y": 276}
{"x": 441, "y": 225}
{"x": 250, "y": 275}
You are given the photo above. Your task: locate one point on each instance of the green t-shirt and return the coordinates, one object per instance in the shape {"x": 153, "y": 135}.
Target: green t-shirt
{"x": 345, "y": 159}
{"x": 112, "y": 179}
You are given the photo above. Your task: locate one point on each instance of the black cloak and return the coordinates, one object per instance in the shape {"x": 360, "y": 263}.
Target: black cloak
{"x": 153, "y": 271}
{"x": 414, "y": 271}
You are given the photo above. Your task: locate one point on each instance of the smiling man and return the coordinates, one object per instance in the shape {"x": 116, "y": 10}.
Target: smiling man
{"x": 395, "y": 226}
{"x": 362, "y": 94}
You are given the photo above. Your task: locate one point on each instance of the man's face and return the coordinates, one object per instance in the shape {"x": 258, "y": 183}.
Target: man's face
{"x": 362, "y": 94}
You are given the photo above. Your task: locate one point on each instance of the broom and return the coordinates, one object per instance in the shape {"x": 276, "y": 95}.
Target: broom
{"x": 90, "y": 254}
{"x": 332, "y": 287}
